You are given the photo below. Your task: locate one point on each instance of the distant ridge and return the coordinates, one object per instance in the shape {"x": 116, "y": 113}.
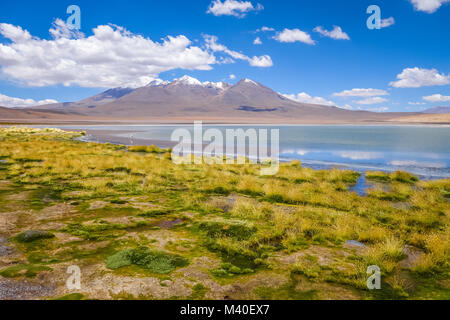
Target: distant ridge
{"x": 437, "y": 110}
{"x": 186, "y": 99}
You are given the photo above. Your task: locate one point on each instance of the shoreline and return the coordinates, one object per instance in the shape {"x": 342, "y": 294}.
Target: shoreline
{"x": 106, "y": 136}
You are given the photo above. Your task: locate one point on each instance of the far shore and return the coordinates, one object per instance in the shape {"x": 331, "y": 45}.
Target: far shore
{"x": 433, "y": 121}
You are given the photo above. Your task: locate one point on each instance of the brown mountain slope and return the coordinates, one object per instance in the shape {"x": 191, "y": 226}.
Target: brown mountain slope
{"x": 187, "y": 99}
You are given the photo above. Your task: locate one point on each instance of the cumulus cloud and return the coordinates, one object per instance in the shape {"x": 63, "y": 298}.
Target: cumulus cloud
{"x": 261, "y": 61}
{"x": 111, "y": 57}
{"x": 428, "y": 6}
{"x": 303, "y": 97}
{"x": 294, "y": 35}
{"x": 371, "y": 100}
{"x": 357, "y": 92}
{"x": 417, "y": 77}
{"x": 437, "y": 98}
{"x": 61, "y": 30}
{"x": 336, "y": 33}
{"x": 11, "y": 102}
{"x": 257, "y": 41}
{"x": 232, "y": 76}
{"x": 232, "y": 8}
{"x": 387, "y": 22}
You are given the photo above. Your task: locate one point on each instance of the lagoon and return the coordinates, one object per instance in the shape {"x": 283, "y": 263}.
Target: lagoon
{"x": 421, "y": 150}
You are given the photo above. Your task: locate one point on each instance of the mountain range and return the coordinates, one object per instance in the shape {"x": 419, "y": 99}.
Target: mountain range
{"x": 186, "y": 99}
{"x": 437, "y": 110}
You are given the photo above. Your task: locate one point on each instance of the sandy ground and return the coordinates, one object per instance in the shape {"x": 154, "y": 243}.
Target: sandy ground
{"x": 394, "y": 118}
{"x": 425, "y": 118}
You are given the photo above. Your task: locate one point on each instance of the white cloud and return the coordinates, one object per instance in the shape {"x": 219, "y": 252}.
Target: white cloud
{"x": 61, "y": 30}
{"x": 336, "y": 33}
{"x": 428, "y": 6}
{"x": 232, "y": 8}
{"x": 232, "y": 76}
{"x": 306, "y": 98}
{"x": 357, "y": 92}
{"x": 261, "y": 61}
{"x": 416, "y": 78}
{"x": 257, "y": 41}
{"x": 437, "y": 98}
{"x": 371, "y": 100}
{"x": 387, "y": 22}
{"x": 416, "y": 103}
{"x": 265, "y": 29}
{"x": 294, "y": 35}
{"x": 111, "y": 57}
{"x": 11, "y": 102}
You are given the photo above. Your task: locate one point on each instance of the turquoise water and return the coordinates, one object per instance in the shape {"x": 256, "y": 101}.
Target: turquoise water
{"x": 422, "y": 150}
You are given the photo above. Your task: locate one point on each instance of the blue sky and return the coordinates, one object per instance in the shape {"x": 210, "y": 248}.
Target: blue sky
{"x": 212, "y": 42}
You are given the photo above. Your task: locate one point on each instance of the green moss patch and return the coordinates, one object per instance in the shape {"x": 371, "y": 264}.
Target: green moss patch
{"x": 229, "y": 270}
{"x": 239, "y": 230}
{"x": 72, "y": 297}
{"x": 101, "y": 231}
{"x": 33, "y": 235}
{"x": 155, "y": 261}
{"x": 27, "y": 270}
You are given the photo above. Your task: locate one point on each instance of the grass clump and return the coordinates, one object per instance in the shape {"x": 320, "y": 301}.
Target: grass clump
{"x": 229, "y": 270}
{"x": 404, "y": 177}
{"x": 386, "y": 254}
{"x": 155, "y": 213}
{"x": 147, "y": 149}
{"x": 155, "y": 261}
{"x": 378, "y": 176}
{"x": 198, "y": 292}
{"x": 436, "y": 258}
{"x": 72, "y": 297}
{"x": 397, "y": 176}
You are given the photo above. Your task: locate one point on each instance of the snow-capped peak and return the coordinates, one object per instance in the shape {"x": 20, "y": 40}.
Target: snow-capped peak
{"x": 157, "y": 82}
{"x": 188, "y": 81}
{"x": 250, "y": 81}
{"x": 217, "y": 85}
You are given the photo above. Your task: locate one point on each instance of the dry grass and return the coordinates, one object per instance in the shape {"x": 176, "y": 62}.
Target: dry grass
{"x": 297, "y": 208}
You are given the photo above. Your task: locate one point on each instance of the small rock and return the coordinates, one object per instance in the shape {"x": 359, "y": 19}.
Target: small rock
{"x": 354, "y": 243}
